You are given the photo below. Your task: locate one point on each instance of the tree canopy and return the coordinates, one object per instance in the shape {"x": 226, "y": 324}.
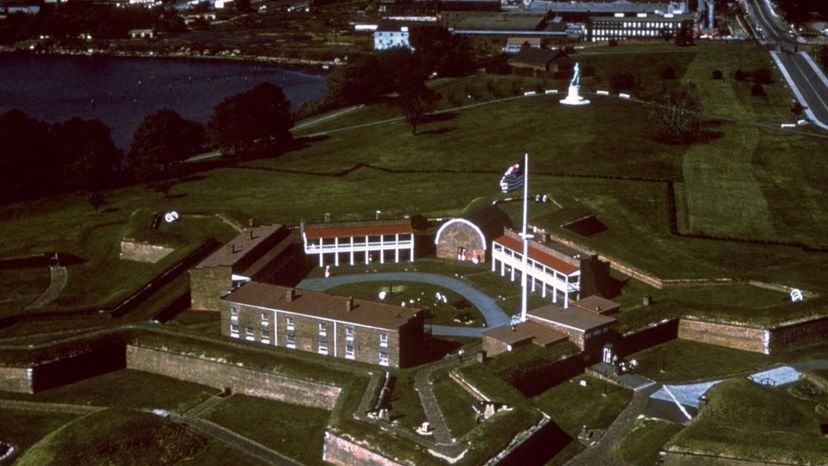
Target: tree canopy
{"x": 679, "y": 114}
{"x": 258, "y": 119}
{"x": 85, "y": 153}
{"x": 161, "y": 142}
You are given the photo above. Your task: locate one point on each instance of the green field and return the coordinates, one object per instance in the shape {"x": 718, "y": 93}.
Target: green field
{"x": 124, "y": 389}
{"x": 642, "y": 442}
{"x": 24, "y": 428}
{"x": 420, "y": 295}
{"x": 295, "y": 431}
{"x": 121, "y": 436}
{"x": 747, "y": 181}
{"x": 753, "y": 422}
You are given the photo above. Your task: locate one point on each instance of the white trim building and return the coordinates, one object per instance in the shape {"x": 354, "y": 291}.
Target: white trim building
{"x": 555, "y": 270}
{"x": 386, "y": 38}
{"x": 359, "y": 242}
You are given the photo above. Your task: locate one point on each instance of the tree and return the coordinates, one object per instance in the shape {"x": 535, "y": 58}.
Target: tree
{"x": 741, "y": 75}
{"x": 757, "y": 90}
{"x": 716, "y": 74}
{"x": 257, "y": 119}
{"x": 622, "y": 81}
{"x": 243, "y": 6}
{"x": 161, "y": 143}
{"x": 798, "y": 110}
{"x": 27, "y": 166}
{"x": 679, "y": 114}
{"x": 359, "y": 82}
{"x": 441, "y": 51}
{"x": 684, "y": 37}
{"x": 96, "y": 199}
{"x": 415, "y": 103}
{"x": 823, "y": 55}
{"x": 86, "y": 155}
{"x": 763, "y": 75}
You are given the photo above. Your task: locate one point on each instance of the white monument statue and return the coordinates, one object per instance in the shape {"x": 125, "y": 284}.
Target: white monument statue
{"x": 574, "y": 97}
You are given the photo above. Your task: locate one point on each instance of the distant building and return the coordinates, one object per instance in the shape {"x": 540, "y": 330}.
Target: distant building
{"x": 388, "y": 38}
{"x": 267, "y": 253}
{"x": 28, "y": 7}
{"x": 514, "y": 44}
{"x": 353, "y": 242}
{"x": 550, "y": 324}
{"x": 336, "y": 326}
{"x": 467, "y": 238}
{"x": 539, "y": 61}
{"x": 641, "y": 26}
{"x": 141, "y": 33}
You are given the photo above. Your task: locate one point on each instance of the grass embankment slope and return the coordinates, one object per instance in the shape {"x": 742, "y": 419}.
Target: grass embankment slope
{"x": 746, "y": 181}
{"x": 120, "y": 436}
{"x": 753, "y": 422}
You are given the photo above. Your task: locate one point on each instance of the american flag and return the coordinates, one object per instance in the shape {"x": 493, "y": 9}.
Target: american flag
{"x": 512, "y": 179}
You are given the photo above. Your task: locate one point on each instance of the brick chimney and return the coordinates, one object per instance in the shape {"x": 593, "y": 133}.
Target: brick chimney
{"x": 349, "y": 304}
{"x": 290, "y": 294}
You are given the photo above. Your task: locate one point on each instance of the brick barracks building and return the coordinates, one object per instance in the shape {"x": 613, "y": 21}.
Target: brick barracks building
{"x": 267, "y": 253}
{"x": 337, "y": 326}
{"x": 354, "y": 242}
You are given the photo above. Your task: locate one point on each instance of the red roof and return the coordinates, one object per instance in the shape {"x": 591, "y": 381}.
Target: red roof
{"x": 538, "y": 255}
{"x": 358, "y": 230}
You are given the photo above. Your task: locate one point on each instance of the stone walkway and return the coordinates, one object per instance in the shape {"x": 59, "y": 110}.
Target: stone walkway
{"x": 58, "y": 277}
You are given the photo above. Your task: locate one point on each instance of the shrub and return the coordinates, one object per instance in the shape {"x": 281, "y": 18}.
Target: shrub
{"x": 741, "y": 75}
{"x": 757, "y": 90}
{"x": 716, "y": 74}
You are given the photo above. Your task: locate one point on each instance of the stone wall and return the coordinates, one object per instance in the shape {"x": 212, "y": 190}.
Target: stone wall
{"x": 16, "y": 379}
{"x": 339, "y": 450}
{"x": 460, "y": 235}
{"x": 143, "y": 252}
{"x": 739, "y": 337}
{"x": 798, "y": 335}
{"x": 207, "y": 286}
{"x": 220, "y": 374}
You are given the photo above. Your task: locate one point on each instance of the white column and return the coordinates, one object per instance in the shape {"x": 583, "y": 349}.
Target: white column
{"x": 411, "y": 253}
{"x": 566, "y": 291}
{"x": 336, "y": 251}
{"x": 381, "y": 250}
{"x": 321, "y": 258}
{"x": 367, "y": 255}
{"x": 352, "y": 250}
{"x": 525, "y": 237}
{"x": 543, "y": 288}
{"x": 396, "y": 248}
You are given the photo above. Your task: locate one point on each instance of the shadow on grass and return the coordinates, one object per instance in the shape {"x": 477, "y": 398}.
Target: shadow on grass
{"x": 435, "y": 131}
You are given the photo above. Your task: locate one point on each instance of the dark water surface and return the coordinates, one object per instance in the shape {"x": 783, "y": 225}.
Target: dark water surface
{"x": 121, "y": 91}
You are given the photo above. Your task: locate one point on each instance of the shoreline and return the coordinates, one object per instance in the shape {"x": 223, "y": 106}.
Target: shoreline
{"x": 318, "y": 67}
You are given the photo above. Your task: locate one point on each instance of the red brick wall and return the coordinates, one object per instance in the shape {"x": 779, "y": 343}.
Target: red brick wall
{"x": 219, "y": 374}
{"x": 728, "y": 335}
{"x": 339, "y": 450}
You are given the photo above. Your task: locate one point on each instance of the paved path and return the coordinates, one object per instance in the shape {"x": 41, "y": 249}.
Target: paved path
{"x": 202, "y": 407}
{"x": 56, "y": 284}
{"x": 493, "y": 314}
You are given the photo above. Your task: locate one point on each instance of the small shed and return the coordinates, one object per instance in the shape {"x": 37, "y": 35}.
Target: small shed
{"x": 467, "y": 238}
{"x": 538, "y": 61}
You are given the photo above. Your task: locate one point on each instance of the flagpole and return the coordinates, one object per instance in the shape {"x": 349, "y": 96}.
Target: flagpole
{"x": 525, "y": 237}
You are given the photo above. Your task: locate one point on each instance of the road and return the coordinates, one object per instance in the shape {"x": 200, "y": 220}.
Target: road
{"x": 807, "y": 81}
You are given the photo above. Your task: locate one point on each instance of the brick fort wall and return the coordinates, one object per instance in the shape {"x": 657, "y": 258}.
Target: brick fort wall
{"x": 460, "y": 235}
{"x": 241, "y": 380}
{"x": 344, "y": 452}
{"x": 728, "y": 335}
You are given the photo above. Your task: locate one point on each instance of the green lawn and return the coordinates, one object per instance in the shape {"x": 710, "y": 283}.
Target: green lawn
{"x": 406, "y": 407}
{"x": 455, "y": 404}
{"x": 20, "y": 287}
{"x": 295, "y": 431}
{"x": 687, "y": 360}
{"x": 125, "y": 389}
{"x": 642, "y": 442}
{"x": 420, "y": 295}
{"x": 25, "y": 428}
{"x": 746, "y": 420}
{"x": 121, "y": 436}
{"x": 573, "y": 406}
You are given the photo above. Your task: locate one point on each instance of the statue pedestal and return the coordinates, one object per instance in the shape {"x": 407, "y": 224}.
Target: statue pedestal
{"x": 574, "y": 98}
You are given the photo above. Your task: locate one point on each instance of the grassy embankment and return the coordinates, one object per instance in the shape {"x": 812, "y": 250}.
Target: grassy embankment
{"x": 754, "y": 422}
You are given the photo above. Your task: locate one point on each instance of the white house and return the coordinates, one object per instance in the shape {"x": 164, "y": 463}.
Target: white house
{"x": 385, "y": 38}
